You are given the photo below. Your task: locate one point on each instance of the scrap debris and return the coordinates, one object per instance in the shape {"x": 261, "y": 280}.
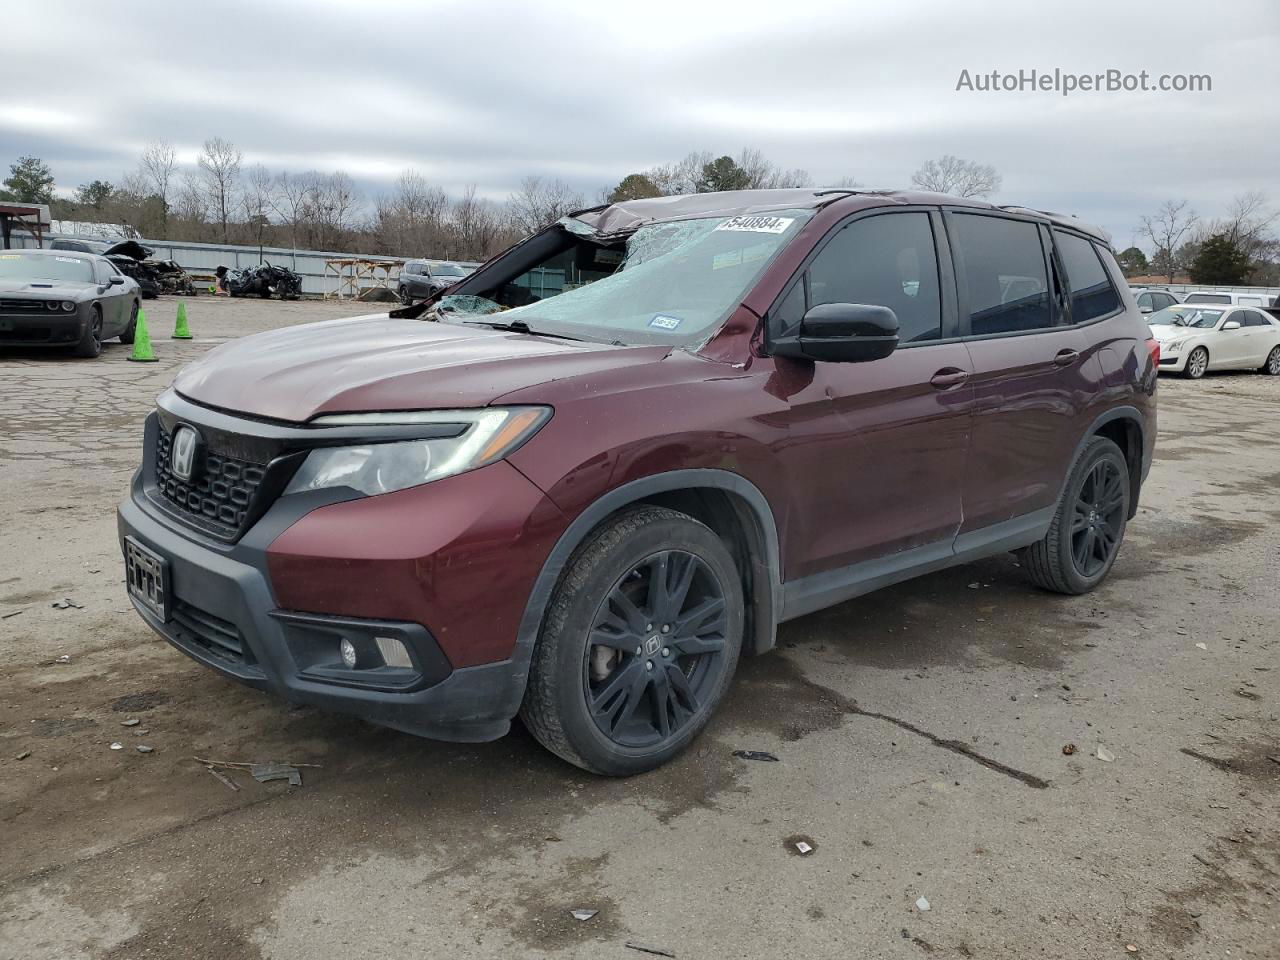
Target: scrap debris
{"x": 1105, "y": 755}
{"x": 66, "y": 603}
{"x": 1069, "y": 749}
{"x": 755, "y": 755}
{"x": 581, "y": 914}
{"x": 227, "y": 781}
{"x": 646, "y": 948}
{"x": 23, "y": 755}
{"x": 262, "y": 772}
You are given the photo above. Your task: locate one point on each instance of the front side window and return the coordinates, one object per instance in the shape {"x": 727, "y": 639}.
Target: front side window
{"x": 1240, "y": 316}
{"x": 888, "y": 260}
{"x": 1001, "y": 272}
{"x": 103, "y": 270}
{"x": 1092, "y": 295}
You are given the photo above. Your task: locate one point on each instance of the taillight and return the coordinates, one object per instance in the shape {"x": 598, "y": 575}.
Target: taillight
{"x": 1153, "y": 348}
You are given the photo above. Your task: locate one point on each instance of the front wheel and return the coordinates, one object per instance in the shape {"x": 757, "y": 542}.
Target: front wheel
{"x": 90, "y": 344}
{"x": 1084, "y": 536}
{"x": 131, "y": 330}
{"x": 1272, "y": 366}
{"x": 1198, "y": 363}
{"x": 639, "y": 644}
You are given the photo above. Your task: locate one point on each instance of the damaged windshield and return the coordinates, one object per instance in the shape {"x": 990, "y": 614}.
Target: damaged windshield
{"x": 668, "y": 282}
{"x": 1181, "y": 316}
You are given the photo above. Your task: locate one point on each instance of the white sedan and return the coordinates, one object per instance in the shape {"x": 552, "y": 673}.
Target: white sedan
{"x": 1197, "y": 338}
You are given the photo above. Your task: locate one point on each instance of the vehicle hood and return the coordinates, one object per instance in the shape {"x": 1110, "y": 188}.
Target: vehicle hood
{"x": 46, "y": 288}
{"x": 128, "y": 248}
{"x": 1164, "y": 331}
{"x": 379, "y": 363}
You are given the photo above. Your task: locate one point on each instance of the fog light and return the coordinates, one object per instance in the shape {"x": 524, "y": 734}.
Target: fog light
{"x": 348, "y": 653}
{"x": 394, "y": 653}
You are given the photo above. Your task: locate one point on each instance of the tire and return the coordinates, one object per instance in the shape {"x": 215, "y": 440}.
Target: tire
{"x": 1088, "y": 527}
{"x": 1272, "y": 366}
{"x": 403, "y": 294}
{"x": 619, "y": 710}
{"x": 126, "y": 337}
{"x": 90, "y": 344}
{"x": 1197, "y": 364}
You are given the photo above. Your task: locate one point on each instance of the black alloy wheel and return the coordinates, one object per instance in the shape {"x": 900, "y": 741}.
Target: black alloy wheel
{"x": 656, "y": 647}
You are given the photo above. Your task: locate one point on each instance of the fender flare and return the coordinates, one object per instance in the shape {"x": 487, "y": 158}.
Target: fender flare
{"x": 1115, "y": 413}
{"x": 767, "y": 607}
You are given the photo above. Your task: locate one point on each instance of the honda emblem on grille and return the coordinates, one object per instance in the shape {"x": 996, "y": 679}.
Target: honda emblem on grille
{"x": 183, "y": 458}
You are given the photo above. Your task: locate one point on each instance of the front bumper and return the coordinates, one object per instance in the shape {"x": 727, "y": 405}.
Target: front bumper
{"x": 41, "y": 329}
{"x": 1173, "y": 362}
{"x": 221, "y": 599}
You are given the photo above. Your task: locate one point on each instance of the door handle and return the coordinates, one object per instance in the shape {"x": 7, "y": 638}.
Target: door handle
{"x": 1065, "y": 358}
{"x": 949, "y": 377}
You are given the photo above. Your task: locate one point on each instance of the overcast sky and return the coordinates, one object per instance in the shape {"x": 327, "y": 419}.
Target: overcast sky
{"x": 488, "y": 92}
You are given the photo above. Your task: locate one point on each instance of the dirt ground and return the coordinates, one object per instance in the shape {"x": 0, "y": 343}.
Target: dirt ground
{"x": 921, "y": 733}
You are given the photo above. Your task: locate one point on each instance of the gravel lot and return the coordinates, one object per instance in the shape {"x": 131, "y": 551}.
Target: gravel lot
{"x": 921, "y": 733}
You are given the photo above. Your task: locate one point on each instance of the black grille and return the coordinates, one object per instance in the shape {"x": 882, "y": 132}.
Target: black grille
{"x": 23, "y": 306}
{"x": 217, "y": 637}
{"x": 221, "y": 494}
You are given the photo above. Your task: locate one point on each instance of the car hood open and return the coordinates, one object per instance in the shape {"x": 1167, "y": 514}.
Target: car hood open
{"x": 379, "y": 363}
{"x": 128, "y": 248}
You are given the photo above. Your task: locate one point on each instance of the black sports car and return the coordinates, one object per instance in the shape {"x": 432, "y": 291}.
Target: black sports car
{"x": 59, "y": 297}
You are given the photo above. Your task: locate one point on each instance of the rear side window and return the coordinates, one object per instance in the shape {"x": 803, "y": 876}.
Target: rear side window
{"x": 1001, "y": 272}
{"x": 1162, "y": 300}
{"x": 1092, "y": 294}
{"x": 889, "y": 260}
{"x": 1208, "y": 298}
{"x": 1248, "y": 318}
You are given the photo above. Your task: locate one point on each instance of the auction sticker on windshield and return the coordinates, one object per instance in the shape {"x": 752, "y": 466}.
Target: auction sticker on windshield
{"x": 664, "y": 322}
{"x": 758, "y": 224}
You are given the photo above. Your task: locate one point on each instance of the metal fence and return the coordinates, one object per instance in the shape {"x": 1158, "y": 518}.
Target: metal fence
{"x": 204, "y": 258}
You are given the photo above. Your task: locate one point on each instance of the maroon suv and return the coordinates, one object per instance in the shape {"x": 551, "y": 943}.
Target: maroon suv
{"x": 578, "y": 484}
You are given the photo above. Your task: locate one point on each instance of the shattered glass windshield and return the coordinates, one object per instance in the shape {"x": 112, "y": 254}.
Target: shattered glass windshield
{"x": 675, "y": 283}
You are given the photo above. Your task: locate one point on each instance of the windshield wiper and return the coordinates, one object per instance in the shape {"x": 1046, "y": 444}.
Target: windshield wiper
{"x": 519, "y": 326}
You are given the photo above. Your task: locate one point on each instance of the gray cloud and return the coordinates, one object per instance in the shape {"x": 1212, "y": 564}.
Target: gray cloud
{"x": 487, "y": 93}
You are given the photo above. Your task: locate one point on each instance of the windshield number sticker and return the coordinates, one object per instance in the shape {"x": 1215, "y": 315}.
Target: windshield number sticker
{"x": 757, "y": 224}
{"x": 68, "y": 260}
{"x": 664, "y": 322}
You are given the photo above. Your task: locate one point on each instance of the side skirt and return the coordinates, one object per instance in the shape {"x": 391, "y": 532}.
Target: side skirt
{"x": 821, "y": 590}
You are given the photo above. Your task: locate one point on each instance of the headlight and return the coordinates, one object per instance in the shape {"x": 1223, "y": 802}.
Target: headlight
{"x": 1174, "y": 345}
{"x": 68, "y": 305}
{"x": 486, "y": 435}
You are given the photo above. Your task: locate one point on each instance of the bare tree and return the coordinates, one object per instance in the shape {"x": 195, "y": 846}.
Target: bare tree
{"x": 288, "y": 200}
{"x": 220, "y": 162}
{"x": 411, "y": 220}
{"x": 257, "y": 202}
{"x": 1165, "y": 229}
{"x": 477, "y": 228}
{"x": 328, "y": 207}
{"x": 764, "y": 174}
{"x": 158, "y": 162}
{"x": 682, "y": 176}
{"x": 957, "y": 177}
{"x": 539, "y": 203}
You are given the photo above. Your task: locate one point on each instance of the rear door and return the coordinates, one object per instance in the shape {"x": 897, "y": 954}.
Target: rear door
{"x": 876, "y": 447}
{"x": 1259, "y": 336}
{"x": 1034, "y": 373}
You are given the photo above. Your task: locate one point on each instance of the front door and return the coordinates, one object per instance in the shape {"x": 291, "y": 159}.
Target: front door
{"x": 876, "y": 448}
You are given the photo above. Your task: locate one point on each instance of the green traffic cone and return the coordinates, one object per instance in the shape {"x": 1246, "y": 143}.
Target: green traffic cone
{"x": 181, "y": 331}
{"x": 142, "y": 351}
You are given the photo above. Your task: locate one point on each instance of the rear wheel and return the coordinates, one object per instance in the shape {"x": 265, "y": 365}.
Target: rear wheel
{"x": 403, "y": 293}
{"x": 1272, "y": 366}
{"x": 639, "y": 644}
{"x": 1084, "y": 537}
{"x": 1198, "y": 363}
{"x": 90, "y": 344}
{"x": 132, "y": 329}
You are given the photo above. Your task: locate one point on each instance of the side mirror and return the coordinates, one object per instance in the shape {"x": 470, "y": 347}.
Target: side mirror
{"x": 115, "y": 281}
{"x": 842, "y": 333}
{"x": 1231, "y": 325}
{"x": 1145, "y": 309}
